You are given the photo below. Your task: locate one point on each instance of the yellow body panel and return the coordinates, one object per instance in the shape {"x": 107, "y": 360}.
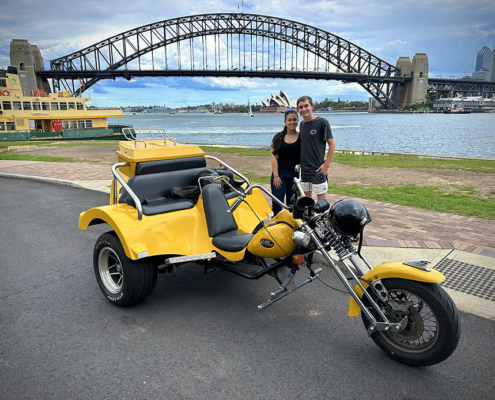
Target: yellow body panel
{"x": 393, "y": 269}
{"x": 281, "y": 234}
{"x": 286, "y": 216}
{"x": 156, "y": 150}
{"x": 181, "y": 232}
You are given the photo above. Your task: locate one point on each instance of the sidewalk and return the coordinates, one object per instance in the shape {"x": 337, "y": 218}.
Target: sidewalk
{"x": 462, "y": 248}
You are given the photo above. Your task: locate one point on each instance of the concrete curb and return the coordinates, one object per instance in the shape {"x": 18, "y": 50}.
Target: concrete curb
{"x": 60, "y": 182}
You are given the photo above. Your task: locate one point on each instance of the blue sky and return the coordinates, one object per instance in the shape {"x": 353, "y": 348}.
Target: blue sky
{"x": 451, "y": 32}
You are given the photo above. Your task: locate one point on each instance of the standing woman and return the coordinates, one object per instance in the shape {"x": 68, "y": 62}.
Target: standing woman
{"x": 286, "y": 154}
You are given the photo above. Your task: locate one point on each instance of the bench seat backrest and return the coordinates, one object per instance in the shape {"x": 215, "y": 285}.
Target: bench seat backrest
{"x": 155, "y": 179}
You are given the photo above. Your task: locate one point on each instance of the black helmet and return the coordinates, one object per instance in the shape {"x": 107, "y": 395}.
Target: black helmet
{"x": 349, "y": 216}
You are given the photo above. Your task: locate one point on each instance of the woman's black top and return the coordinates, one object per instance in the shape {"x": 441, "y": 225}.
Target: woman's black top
{"x": 289, "y": 155}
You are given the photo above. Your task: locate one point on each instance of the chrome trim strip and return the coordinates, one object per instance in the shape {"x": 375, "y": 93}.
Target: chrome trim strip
{"x": 137, "y": 202}
{"x": 194, "y": 257}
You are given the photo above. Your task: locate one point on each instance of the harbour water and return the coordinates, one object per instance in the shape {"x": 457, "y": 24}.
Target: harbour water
{"x": 471, "y": 135}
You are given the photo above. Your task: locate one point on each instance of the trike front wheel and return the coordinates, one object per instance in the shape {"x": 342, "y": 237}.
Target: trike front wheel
{"x": 433, "y": 329}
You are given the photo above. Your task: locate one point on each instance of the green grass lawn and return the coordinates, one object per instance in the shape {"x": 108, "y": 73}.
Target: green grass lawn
{"x": 67, "y": 143}
{"x": 29, "y": 157}
{"x": 430, "y": 198}
{"x": 368, "y": 161}
{"x": 462, "y": 202}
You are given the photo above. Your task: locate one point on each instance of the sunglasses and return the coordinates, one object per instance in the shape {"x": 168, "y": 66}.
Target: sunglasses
{"x": 291, "y": 110}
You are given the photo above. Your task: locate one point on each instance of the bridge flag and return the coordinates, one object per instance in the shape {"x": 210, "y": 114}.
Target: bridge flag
{"x": 81, "y": 82}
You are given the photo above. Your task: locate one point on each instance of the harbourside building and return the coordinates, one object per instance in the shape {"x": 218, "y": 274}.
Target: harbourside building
{"x": 277, "y": 103}
{"x": 475, "y": 103}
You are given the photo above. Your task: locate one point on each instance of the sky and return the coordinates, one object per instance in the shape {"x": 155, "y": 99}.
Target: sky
{"x": 450, "y": 32}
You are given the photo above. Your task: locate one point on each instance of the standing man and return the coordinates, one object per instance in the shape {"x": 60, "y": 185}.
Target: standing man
{"x": 315, "y": 133}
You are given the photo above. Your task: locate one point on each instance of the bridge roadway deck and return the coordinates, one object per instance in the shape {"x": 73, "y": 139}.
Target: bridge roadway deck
{"x": 392, "y": 226}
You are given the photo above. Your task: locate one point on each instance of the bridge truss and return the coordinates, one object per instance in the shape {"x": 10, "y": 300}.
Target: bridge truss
{"x": 232, "y": 45}
{"x": 460, "y": 85}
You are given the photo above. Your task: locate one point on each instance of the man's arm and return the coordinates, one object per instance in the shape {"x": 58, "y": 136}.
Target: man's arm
{"x": 326, "y": 164}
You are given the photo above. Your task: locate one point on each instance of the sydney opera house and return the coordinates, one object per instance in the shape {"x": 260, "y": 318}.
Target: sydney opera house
{"x": 277, "y": 103}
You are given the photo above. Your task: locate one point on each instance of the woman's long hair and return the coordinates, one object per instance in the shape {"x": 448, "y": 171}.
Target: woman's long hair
{"x": 278, "y": 139}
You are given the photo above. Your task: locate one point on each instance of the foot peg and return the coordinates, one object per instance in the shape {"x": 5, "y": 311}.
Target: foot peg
{"x": 281, "y": 293}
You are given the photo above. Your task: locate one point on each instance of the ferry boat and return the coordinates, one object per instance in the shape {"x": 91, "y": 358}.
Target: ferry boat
{"x": 57, "y": 116}
{"x": 458, "y": 110}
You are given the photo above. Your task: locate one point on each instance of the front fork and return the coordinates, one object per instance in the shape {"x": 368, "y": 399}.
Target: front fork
{"x": 384, "y": 324}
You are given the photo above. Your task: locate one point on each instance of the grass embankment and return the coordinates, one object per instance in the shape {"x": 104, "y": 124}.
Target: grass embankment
{"x": 373, "y": 161}
{"x": 29, "y": 157}
{"x": 370, "y": 161}
{"x": 425, "y": 197}
{"x": 73, "y": 143}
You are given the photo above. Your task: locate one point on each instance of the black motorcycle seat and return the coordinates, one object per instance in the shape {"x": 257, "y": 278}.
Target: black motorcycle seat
{"x": 232, "y": 241}
{"x": 221, "y": 225}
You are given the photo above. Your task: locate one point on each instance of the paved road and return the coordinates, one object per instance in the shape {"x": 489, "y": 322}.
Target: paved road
{"x": 197, "y": 336}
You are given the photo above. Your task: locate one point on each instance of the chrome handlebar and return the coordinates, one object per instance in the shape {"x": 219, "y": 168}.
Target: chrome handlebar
{"x": 235, "y": 204}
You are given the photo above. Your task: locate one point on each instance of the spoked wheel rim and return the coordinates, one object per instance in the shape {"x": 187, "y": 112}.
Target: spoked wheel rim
{"x": 422, "y": 330}
{"x": 110, "y": 269}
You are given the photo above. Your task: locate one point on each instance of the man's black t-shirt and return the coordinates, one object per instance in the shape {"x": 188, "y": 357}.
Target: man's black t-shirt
{"x": 314, "y": 135}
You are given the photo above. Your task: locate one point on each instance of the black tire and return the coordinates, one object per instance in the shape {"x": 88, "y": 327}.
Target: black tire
{"x": 123, "y": 281}
{"x": 433, "y": 330}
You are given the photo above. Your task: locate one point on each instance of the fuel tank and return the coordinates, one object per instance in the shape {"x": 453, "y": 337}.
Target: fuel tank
{"x": 275, "y": 239}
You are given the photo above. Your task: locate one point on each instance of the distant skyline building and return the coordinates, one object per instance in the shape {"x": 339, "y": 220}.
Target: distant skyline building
{"x": 485, "y": 65}
{"x": 329, "y": 99}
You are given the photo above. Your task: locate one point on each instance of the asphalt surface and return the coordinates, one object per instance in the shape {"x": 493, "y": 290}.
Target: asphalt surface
{"x": 197, "y": 336}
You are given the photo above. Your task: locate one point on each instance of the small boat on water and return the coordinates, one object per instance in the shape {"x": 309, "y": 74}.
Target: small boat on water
{"x": 172, "y": 112}
{"x": 217, "y": 112}
{"x": 250, "y": 113}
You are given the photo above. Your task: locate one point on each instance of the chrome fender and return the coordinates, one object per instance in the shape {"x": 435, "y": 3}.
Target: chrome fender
{"x": 393, "y": 269}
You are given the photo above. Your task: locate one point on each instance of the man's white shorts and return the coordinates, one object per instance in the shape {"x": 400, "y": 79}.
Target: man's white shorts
{"x": 317, "y": 189}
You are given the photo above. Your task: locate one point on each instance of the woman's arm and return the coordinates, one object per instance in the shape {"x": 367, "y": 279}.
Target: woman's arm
{"x": 277, "y": 182}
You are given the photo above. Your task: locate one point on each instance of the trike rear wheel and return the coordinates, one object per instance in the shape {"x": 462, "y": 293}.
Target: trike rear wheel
{"x": 123, "y": 281}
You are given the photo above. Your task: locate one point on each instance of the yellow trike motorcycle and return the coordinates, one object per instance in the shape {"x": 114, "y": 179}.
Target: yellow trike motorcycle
{"x": 227, "y": 224}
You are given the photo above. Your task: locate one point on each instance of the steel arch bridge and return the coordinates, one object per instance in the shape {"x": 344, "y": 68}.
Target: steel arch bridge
{"x": 230, "y": 45}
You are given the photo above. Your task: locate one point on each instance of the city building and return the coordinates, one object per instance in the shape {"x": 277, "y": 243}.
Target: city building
{"x": 277, "y": 103}
{"x": 372, "y": 103}
{"x": 330, "y": 99}
{"x": 485, "y": 65}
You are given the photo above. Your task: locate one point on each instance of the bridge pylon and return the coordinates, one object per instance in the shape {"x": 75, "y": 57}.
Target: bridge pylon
{"x": 413, "y": 90}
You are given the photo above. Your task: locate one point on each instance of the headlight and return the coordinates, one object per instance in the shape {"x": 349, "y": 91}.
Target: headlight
{"x": 301, "y": 238}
